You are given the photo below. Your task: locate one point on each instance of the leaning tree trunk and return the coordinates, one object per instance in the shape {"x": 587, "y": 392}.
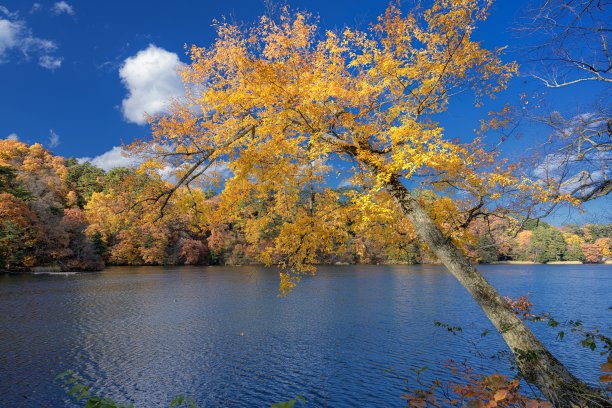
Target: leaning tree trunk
{"x": 535, "y": 362}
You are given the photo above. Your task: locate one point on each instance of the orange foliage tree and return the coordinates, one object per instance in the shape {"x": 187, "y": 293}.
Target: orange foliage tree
{"x": 39, "y": 179}
{"x": 19, "y": 232}
{"x": 605, "y": 246}
{"x": 592, "y": 252}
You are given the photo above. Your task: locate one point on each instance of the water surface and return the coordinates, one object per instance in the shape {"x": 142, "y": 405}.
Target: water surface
{"x": 347, "y": 337}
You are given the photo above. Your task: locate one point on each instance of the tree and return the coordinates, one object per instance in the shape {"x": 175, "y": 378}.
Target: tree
{"x": 523, "y": 241}
{"x": 571, "y": 50}
{"x": 573, "y": 42}
{"x": 80, "y": 253}
{"x": 18, "y": 233}
{"x": 605, "y": 246}
{"x": 592, "y": 252}
{"x": 125, "y": 226}
{"x": 577, "y": 155}
{"x": 574, "y": 243}
{"x": 547, "y": 244}
{"x": 9, "y": 184}
{"x": 596, "y": 232}
{"x": 39, "y": 178}
{"x": 85, "y": 179}
{"x": 193, "y": 251}
{"x": 280, "y": 107}
{"x": 487, "y": 252}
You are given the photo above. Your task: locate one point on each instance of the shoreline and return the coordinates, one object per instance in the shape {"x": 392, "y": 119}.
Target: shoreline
{"x": 56, "y": 271}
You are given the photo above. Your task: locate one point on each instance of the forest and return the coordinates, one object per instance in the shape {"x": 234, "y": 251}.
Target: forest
{"x": 61, "y": 213}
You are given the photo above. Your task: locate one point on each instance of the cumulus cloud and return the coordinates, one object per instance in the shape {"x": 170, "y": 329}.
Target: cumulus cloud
{"x": 54, "y": 139}
{"x": 17, "y": 38}
{"x": 12, "y": 136}
{"x": 119, "y": 157}
{"x": 115, "y": 157}
{"x": 61, "y": 7}
{"x": 152, "y": 81}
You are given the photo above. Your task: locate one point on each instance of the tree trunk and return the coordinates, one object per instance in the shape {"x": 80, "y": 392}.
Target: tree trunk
{"x": 537, "y": 365}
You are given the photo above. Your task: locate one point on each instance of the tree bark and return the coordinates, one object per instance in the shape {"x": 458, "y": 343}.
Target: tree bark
{"x": 537, "y": 365}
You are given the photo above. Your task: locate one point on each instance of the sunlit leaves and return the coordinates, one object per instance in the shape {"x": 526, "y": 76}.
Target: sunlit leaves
{"x": 281, "y": 104}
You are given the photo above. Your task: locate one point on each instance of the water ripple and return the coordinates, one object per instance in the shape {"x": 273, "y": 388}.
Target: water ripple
{"x": 347, "y": 337}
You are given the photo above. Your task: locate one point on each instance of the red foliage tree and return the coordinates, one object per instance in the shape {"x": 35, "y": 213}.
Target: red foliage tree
{"x": 592, "y": 252}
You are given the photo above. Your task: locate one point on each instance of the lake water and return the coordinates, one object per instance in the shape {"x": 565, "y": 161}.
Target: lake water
{"x": 347, "y": 337}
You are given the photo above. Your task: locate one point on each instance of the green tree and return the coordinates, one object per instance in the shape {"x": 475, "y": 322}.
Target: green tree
{"x": 9, "y": 184}
{"x": 597, "y": 231}
{"x": 116, "y": 176}
{"x": 547, "y": 244}
{"x": 486, "y": 249}
{"x": 85, "y": 179}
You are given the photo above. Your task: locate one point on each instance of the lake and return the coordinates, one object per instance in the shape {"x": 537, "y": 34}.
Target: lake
{"x": 347, "y": 337}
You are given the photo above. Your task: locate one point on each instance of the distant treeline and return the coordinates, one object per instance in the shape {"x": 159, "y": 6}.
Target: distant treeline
{"x": 57, "y": 212}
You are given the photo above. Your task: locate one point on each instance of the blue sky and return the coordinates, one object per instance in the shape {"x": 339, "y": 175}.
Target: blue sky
{"x": 76, "y": 75}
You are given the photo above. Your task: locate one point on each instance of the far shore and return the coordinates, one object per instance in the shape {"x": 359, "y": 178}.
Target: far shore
{"x": 55, "y": 270}
{"x": 548, "y": 263}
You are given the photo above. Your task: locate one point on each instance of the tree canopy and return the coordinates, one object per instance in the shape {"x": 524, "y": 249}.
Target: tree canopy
{"x": 282, "y": 106}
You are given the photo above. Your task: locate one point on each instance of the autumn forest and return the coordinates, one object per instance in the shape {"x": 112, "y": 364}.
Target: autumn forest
{"x": 59, "y": 213}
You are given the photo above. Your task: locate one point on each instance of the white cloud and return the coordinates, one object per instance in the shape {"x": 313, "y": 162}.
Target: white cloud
{"x": 119, "y": 157}
{"x": 62, "y": 7}
{"x": 54, "y": 139}
{"x": 347, "y": 182}
{"x": 583, "y": 180}
{"x": 16, "y": 36}
{"x": 152, "y": 81}
{"x": 115, "y": 157}
{"x": 553, "y": 165}
{"x": 12, "y": 136}
{"x": 9, "y": 35}
{"x": 49, "y": 62}
{"x": 35, "y": 7}
{"x": 571, "y": 173}
{"x": 221, "y": 170}
{"x": 7, "y": 12}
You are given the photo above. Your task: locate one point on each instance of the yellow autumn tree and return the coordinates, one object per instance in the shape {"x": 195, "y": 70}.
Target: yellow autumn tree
{"x": 605, "y": 246}
{"x": 129, "y": 224}
{"x": 282, "y": 105}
